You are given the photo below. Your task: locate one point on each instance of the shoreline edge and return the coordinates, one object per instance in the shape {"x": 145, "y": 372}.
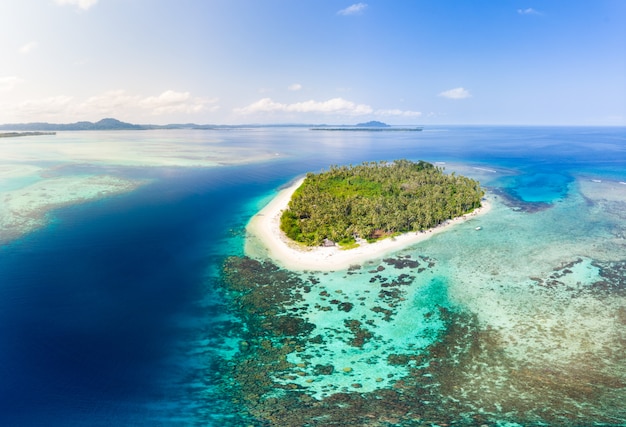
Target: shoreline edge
{"x": 264, "y": 239}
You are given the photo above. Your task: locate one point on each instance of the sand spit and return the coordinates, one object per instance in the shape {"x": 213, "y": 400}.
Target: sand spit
{"x": 266, "y": 240}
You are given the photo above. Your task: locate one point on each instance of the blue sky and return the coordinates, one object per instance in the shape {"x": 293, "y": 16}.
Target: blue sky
{"x": 314, "y": 61}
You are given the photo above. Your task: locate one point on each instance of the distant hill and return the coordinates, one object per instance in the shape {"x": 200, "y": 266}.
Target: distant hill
{"x": 104, "y": 124}
{"x": 114, "y": 124}
{"x": 373, "y": 124}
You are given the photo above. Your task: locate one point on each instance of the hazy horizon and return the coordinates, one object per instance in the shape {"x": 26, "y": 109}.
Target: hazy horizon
{"x": 303, "y": 124}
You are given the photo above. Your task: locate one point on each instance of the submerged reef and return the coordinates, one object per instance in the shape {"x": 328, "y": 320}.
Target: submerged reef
{"x": 298, "y": 365}
{"x": 515, "y": 202}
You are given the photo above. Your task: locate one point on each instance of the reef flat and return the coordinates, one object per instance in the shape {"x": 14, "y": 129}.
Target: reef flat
{"x": 26, "y": 209}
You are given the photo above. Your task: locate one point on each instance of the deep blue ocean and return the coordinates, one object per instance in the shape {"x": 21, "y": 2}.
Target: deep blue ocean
{"x": 112, "y": 314}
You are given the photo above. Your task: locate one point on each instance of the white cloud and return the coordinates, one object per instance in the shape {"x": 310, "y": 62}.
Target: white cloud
{"x": 81, "y": 62}
{"x": 331, "y": 106}
{"x": 398, "y": 113}
{"x": 176, "y": 102}
{"x": 110, "y": 102}
{"x": 9, "y": 82}
{"x": 115, "y": 103}
{"x": 355, "y": 9}
{"x": 45, "y": 108}
{"x": 264, "y": 105}
{"x": 295, "y": 87}
{"x": 83, "y": 4}
{"x": 528, "y": 11}
{"x": 456, "y": 93}
{"x": 28, "y": 47}
{"x": 167, "y": 102}
{"x": 338, "y": 106}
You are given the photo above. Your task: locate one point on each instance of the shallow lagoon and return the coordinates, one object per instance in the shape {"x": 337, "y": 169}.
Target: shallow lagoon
{"x": 118, "y": 308}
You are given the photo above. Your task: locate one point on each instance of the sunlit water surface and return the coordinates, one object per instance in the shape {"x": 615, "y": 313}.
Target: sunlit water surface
{"x": 132, "y": 304}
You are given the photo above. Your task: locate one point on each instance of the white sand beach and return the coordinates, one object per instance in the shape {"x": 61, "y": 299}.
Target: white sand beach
{"x": 265, "y": 239}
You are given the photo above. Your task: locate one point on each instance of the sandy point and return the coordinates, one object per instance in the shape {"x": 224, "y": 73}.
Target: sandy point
{"x": 265, "y": 239}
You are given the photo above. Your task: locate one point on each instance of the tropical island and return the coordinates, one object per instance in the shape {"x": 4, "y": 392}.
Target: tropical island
{"x": 371, "y": 126}
{"x": 376, "y": 200}
{"x": 349, "y": 214}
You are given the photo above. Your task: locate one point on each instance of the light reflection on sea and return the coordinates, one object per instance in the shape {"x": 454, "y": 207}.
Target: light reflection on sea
{"x": 532, "y": 304}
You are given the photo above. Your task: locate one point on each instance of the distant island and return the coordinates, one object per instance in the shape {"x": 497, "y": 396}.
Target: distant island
{"x": 104, "y": 124}
{"x": 16, "y": 134}
{"x": 371, "y": 126}
{"x": 376, "y": 200}
{"x": 114, "y": 124}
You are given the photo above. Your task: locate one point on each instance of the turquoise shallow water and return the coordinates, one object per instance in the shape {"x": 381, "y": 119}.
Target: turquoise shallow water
{"x": 539, "y": 299}
{"x": 542, "y": 187}
{"x": 122, "y": 311}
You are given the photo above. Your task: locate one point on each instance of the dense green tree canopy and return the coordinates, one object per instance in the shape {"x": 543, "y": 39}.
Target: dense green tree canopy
{"x": 376, "y": 199}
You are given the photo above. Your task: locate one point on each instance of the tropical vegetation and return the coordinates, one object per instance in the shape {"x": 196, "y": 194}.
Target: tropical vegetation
{"x": 375, "y": 200}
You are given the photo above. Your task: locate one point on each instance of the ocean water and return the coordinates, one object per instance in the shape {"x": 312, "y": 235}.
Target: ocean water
{"x": 140, "y": 308}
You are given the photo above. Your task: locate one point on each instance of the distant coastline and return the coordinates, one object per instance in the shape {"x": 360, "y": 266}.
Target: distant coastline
{"x": 368, "y": 129}
{"x": 101, "y": 125}
{"x": 114, "y": 124}
{"x": 104, "y": 124}
{"x": 371, "y": 126}
{"x": 16, "y": 134}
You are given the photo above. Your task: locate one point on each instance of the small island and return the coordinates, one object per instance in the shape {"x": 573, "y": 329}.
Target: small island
{"x": 351, "y": 214}
{"x": 376, "y": 200}
{"x": 16, "y": 134}
{"x": 371, "y": 126}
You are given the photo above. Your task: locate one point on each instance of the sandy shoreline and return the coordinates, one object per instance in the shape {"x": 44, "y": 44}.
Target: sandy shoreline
{"x": 265, "y": 240}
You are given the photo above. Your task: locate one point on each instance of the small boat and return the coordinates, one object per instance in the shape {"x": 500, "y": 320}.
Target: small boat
{"x": 478, "y": 228}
